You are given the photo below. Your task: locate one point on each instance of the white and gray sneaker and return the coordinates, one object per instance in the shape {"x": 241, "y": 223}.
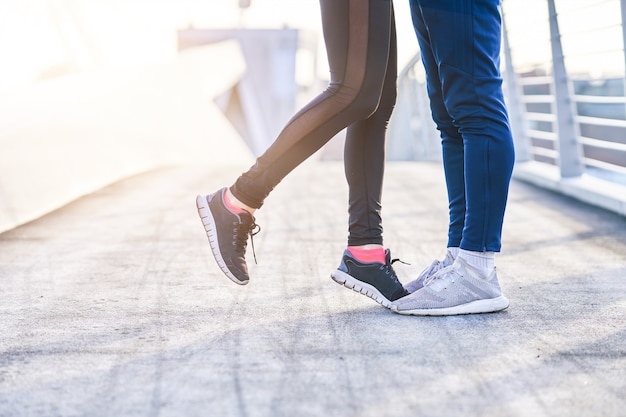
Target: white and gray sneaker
{"x": 429, "y": 271}
{"x": 456, "y": 289}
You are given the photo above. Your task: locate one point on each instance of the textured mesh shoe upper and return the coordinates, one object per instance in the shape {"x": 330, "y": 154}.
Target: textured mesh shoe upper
{"x": 429, "y": 271}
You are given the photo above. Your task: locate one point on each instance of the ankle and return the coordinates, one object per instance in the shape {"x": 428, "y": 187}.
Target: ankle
{"x": 483, "y": 262}
{"x": 454, "y": 251}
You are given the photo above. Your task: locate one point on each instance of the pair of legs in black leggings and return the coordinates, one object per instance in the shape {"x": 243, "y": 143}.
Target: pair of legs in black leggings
{"x": 361, "y": 46}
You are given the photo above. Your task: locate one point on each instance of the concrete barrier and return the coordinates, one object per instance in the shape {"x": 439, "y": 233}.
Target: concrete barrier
{"x": 264, "y": 99}
{"x": 67, "y": 137}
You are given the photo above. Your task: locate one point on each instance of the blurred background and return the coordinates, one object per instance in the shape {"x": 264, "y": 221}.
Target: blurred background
{"x": 41, "y": 39}
{"x": 92, "y": 91}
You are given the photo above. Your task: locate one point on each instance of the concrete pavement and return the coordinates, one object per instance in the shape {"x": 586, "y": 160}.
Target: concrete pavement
{"x": 113, "y": 306}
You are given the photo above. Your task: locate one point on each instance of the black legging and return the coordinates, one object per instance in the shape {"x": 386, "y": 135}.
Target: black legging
{"x": 361, "y": 46}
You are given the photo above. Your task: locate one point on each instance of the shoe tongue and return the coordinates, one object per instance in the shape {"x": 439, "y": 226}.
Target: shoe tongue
{"x": 387, "y": 256}
{"x": 245, "y": 217}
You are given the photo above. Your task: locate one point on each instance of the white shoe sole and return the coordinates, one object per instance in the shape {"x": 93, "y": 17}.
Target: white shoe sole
{"x": 348, "y": 281}
{"x": 209, "y": 226}
{"x": 475, "y": 307}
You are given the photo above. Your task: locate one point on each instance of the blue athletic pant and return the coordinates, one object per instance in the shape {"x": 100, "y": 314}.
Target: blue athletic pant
{"x": 460, "y": 47}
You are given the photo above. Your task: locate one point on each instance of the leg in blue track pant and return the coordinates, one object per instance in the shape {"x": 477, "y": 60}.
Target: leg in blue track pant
{"x": 460, "y": 48}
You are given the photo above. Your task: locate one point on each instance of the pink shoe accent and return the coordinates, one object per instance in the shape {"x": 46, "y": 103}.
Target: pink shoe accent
{"x": 368, "y": 255}
{"x": 230, "y": 206}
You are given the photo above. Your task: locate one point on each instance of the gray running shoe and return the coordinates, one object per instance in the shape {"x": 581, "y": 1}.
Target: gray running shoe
{"x": 228, "y": 235}
{"x": 456, "y": 289}
{"x": 429, "y": 271}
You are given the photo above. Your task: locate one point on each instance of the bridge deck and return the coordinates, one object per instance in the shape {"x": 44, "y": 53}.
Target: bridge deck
{"x": 113, "y": 305}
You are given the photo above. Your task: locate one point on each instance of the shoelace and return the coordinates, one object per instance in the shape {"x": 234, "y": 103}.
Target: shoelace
{"x": 398, "y": 260}
{"x": 389, "y": 270}
{"x": 254, "y": 229}
{"x": 430, "y": 270}
{"x": 243, "y": 229}
{"x": 439, "y": 274}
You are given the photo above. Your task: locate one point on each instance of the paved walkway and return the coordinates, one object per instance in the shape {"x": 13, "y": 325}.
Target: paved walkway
{"x": 113, "y": 306}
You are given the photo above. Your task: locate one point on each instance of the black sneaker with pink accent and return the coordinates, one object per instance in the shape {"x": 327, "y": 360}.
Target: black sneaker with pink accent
{"x": 376, "y": 280}
{"x": 228, "y": 234}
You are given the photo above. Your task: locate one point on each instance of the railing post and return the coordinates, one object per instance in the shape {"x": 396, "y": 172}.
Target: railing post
{"x": 516, "y": 112}
{"x": 623, "y": 6}
{"x": 570, "y": 160}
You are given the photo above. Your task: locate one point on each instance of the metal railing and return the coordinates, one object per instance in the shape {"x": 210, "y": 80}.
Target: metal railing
{"x": 564, "y": 78}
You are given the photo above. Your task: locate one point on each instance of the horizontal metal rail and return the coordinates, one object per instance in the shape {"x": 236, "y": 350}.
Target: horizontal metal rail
{"x": 569, "y": 131}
